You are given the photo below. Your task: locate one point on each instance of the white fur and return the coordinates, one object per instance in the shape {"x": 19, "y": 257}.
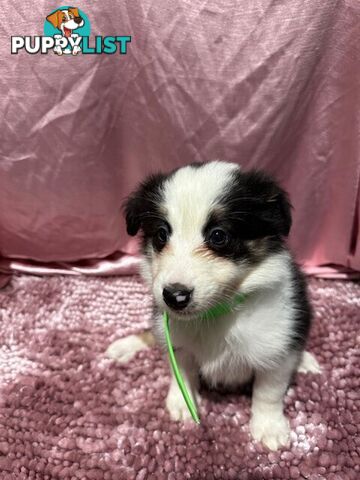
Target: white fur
{"x": 124, "y": 349}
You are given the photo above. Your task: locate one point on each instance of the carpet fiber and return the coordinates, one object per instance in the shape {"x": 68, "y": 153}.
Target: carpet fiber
{"x": 68, "y": 412}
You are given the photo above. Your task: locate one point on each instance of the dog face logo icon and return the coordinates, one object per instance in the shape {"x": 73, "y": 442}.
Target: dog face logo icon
{"x": 66, "y": 20}
{"x": 67, "y": 26}
{"x": 67, "y": 32}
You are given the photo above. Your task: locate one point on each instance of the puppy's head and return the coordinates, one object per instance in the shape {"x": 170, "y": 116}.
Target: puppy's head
{"x": 66, "y": 20}
{"x": 204, "y": 227}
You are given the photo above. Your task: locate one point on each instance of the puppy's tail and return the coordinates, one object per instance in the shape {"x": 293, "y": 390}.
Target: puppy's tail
{"x": 124, "y": 349}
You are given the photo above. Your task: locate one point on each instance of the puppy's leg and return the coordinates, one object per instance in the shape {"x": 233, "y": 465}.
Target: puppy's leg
{"x": 268, "y": 423}
{"x": 126, "y": 348}
{"x": 175, "y": 402}
{"x": 57, "y": 49}
{"x": 76, "y": 48}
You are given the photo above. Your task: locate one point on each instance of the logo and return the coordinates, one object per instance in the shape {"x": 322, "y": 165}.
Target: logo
{"x": 67, "y": 32}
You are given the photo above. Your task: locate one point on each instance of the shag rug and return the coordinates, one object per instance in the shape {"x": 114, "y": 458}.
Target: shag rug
{"x": 68, "y": 412}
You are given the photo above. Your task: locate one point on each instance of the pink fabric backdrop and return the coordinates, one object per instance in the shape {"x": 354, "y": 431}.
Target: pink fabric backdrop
{"x": 267, "y": 84}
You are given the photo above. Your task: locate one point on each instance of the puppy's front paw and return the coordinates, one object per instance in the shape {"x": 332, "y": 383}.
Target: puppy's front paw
{"x": 76, "y": 50}
{"x": 177, "y": 407}
{"x": 308, "y": 364}
{"x": 272, "y": 431}
{"x": 124, "y": 349}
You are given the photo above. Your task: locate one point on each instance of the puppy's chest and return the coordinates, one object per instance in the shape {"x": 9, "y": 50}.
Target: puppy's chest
{"x": 220, "y": 352}
{"x": 229, "y": 350}
{"x": 226, "y": 367}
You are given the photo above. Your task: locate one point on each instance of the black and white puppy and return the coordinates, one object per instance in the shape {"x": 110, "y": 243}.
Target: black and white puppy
{"x": 209, "y": 231}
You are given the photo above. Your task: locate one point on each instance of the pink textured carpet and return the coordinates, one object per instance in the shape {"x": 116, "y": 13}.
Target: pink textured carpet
{"x": 67, "y": 412}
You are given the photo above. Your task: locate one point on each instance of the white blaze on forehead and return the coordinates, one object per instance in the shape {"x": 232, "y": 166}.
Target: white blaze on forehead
{"x": 66, "y": 13}
{"x": 191, "y": 193}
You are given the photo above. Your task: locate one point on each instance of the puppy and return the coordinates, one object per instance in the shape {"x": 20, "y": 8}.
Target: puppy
{"x": 210, "y": 231}
{"x": 66, "y": 21}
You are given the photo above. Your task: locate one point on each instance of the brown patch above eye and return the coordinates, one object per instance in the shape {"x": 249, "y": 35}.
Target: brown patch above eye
{"x": 205, "y": 252}
{"x": 258, "y": 248}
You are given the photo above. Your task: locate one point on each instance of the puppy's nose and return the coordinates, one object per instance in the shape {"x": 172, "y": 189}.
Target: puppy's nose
{"x": 177, "y": 296}
{"x": 77, "y": 20}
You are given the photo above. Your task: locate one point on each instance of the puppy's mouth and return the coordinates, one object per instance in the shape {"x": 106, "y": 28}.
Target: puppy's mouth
{"x": 67, "y": 32}
{"x": 183, "y": 315}
{"x": 191, "y": 312}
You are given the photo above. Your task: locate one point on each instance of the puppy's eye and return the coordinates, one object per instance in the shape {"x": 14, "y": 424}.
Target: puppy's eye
{"x": 218, "y": 238}
{"x": 160, "y": 238}
{"x": 162, "y": 235}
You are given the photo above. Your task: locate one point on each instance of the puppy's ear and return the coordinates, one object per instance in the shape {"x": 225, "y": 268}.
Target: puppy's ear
{"x": 144, "y": 203}
{"x": 270, "y": 207}
{"x": 55, "y": 18}
{"x": 257, "y": 206}
{"x": 277, "y": 213}
{"x": 132, "y": 209}
{"x": 75, "y": 11}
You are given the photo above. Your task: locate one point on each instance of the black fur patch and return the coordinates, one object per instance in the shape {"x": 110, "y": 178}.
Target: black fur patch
{"x": 256, "y": 213}
{"x": 142, "y": 208}
{"x": 303, "y": 310}
{"x": 236, "y": 247}
{"x": 259, "y": 206}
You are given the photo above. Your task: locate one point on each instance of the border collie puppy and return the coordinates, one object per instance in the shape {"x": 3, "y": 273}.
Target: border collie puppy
{"x": 209, "y": 232}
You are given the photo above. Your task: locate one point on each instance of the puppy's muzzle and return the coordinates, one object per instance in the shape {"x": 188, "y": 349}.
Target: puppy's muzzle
{"x": 78, "y": 20}
{"x": 177, "y": 296}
